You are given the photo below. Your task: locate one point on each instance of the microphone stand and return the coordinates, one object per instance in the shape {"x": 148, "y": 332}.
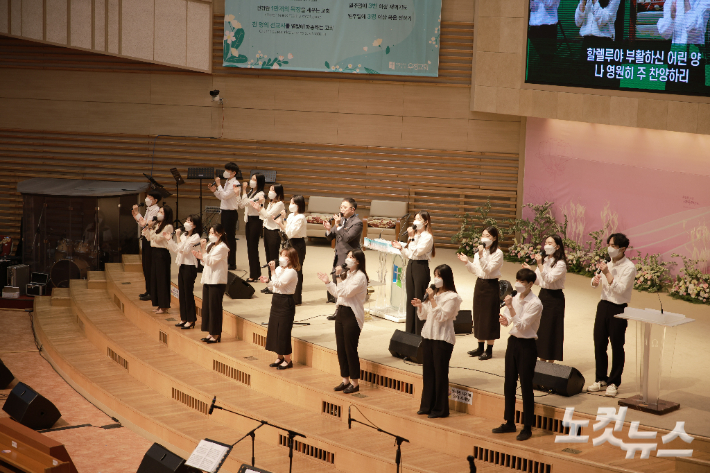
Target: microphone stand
{"x": 398, "y": 440}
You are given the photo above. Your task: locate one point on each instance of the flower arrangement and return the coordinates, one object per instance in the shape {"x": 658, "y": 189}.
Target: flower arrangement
{"x": 652, "y": 274}
{"x": 469, "y": 234}
{"x": 691, "y": 284}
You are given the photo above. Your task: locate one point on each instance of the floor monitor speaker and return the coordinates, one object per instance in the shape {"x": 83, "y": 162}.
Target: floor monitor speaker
{"x": 463, "y": 322}
{"x": 237, "y": 288}
{"x": 30, "y": 408}
{"x": 6, "y": 376}
{"x": 560, "y": 379}
{"x": 406, "y": 345}
{"x": 159, "y": 459}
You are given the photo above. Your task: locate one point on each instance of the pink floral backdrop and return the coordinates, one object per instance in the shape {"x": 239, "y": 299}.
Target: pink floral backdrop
{"x": 654, "y": 186}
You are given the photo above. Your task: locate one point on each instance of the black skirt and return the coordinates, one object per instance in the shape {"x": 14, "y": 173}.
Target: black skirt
{"x": 278, "y": 337}
{"x": 551, "y": 334}
{"x": 486, "y": 309}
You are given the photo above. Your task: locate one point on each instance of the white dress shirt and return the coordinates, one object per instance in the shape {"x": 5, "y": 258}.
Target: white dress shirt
{"x": 688, "y": 27}
{"x": 267, "y": 215}
{"x": 228, "y": 194}
{"x": 420, "y": 248}
{"x": 245, "y": 204}
{"x": 283, "y": 280}
{"x": 150, "y": 212}
{"x": 597, "y": 20}
{"x": 158, "y": 240}
{"x": 543, "y": 12}
{"x": 296, "y": 226}
{"x": 624, "y": 272}
{"x": 439, "y": 323}
{"x": 215, "y": 264}
{"x": 487, "y": 266}
{"x": 183, "y": 248}
{"x": 527, "y": 316}
{"x": 351, "y": 293}
{"x": 551, "y": 277}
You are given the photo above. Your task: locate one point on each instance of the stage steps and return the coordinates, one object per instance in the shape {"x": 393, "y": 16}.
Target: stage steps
{"x": 61, "y": 297}
{"x": 96, "y": 279}
{"x": 132, "y": 263}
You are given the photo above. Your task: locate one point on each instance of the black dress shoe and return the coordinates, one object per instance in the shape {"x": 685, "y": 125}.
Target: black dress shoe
{"x": 187, "y": 327}
{"x": 204, "y": 339}
{"x": 422, "y": 412}
{"x": 477, "y": 352}
{"x": 209, "y": 340}
{"x": 437, "y": 416}
{"x": 351, "y": 389}
{"x": 341, "y": 386}
{"x": 145, "y": 297}
{"x": 331, "y": 317}
{"x": 504, "y": 429}
{"x": 274, "y": 365}
{"x": 180, "y": 324}
{"x": 266, "y": 290}
{"x": 282, "y": 367}
{"x": 485, "y": 356}
{"x": 524, "y": 434}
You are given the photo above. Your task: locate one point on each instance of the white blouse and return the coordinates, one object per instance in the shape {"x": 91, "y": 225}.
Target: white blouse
{"x": 622, "y": 286}
{"x": 351, "y": 293}
{"x": 551, "y": 277}
{"x": 296, "y": 226}
{"x": 267, "y": 215}
{"x": 158, "y": 240}
{"x": 488, "y": 266}
{"x": 439, "y": 323}
{"x": 283, "y": 280}
{"x": 245, "y": 204}
{"x": 420, "y": 248}
{"x": 183, "y": 248}
{"x": 215, "y": 264}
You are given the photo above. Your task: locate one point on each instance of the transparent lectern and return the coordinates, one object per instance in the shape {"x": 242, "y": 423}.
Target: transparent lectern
{"x": 655, "y": 339}
{"x": 394, "y": 309}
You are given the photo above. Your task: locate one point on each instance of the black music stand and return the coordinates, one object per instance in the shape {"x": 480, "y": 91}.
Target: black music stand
{"x": 158, "y": 187}
{"x": 200, "y": 173}
{"x": 178, "y": 182}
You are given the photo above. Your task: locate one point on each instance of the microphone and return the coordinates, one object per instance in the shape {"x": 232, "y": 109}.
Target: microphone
{"x": 512, "y": 294}
{"x": 607, "y": 258}
{"x": 214, "y": 399}
{"x": 426, "y": 294}
{"x": 344, "y": 266}
{"x": 659, "y": 301}
{"x": 267, "y": 265}
{"x": 350, "y": 419}
{"x": 142, "y": 204}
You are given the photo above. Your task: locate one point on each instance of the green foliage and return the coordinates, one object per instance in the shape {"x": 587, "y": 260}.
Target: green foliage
{"x": 471, "y": 228}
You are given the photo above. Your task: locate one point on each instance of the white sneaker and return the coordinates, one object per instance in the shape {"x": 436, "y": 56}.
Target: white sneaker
{"x": 611, "y": 390}
{"x": 596, "y": 386}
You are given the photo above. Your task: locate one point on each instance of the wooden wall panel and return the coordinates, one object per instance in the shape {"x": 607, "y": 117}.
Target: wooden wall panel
{"x": 171, "y": 31}
{"x": 32, "y": 19}
{"x": 16, "y": 17}
{"x": 80, "y": 23}
{"x": 4, "y": 16}
{"x": 57, "y": 17}
{"x": 100, "y": 26}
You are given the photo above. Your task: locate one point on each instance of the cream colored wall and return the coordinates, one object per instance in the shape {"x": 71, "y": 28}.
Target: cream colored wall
{"x": 498, "y": 83}
{"x": 172, "y": 32}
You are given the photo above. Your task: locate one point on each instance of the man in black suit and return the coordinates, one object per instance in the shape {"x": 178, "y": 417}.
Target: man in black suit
{"x": 347, "y": 232}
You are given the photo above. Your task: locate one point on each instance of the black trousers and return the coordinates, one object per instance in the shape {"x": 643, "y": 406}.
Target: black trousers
{"x": 272, "y": 245}
{"x": 416, "y": 280}
{"x": 186, "y": 286}
{"x": 212, "y": 295}
{"x": 146, "y": 260}
{"x": 331, "y": 297}
{"x": 160, "y": 278}
{"x": 347, "y": 337}
{"x": 435, "y": 379}
{"x": 229, "y": 222}
{"x": 299, "y": 244}
{"x": 253, "y": 231}
{"x": 520, "y": 360}
{"x": 608, "y": 328}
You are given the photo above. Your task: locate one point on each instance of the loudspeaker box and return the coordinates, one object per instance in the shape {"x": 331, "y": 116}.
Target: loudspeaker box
{"x": 237, "y": 288}
{"x": 6, "y": 376}
{"x": 159, "y": 459}
{"x": 560, "y": 379}
{"x": 30, "y": 409}
{"x": 463, "y": 322}
{"x": 409, "y": 345}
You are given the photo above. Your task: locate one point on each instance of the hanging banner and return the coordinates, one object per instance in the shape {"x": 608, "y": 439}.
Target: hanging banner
{"x": 399, "y": 38}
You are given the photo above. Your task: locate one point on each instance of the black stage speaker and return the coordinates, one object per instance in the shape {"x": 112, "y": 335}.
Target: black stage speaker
{"x": 237, "y": 288}
{"x": 250, "y": 469}
{"x": 463, "y": 322}
{"x": 560, "y": 379}
{"x": 30, "y": 409}
{"x": 6, "y": 376}
{"x": 159, "y": 459}
{"x": 409, "y": 345}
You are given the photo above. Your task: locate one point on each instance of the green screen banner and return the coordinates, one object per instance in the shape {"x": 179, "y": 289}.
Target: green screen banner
{"x": 399, "y": 38}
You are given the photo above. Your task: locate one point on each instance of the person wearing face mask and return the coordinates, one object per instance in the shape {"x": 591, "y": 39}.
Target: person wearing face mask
{"x": 522, "y": 314}
{"x": 229, "y": 198}
{"x": 486, "y": 266}
{"x": 438, "y": 339}
{"x": 617, "y": 280}
{"x": 419, "y": 249}
{"x": 272, "y": 238}
{"x": 295, "y": 229}
{"x": 282, "y": 283}
{"x": 159, "y": 236}
{"x": 253, "y": 225}
{"x": 187, "y": 268}
{"x": 214, "y": 257}
{"x": 551, "y": 273}
{"x": 151, "y": 210}
{"x": 351, "y": 292}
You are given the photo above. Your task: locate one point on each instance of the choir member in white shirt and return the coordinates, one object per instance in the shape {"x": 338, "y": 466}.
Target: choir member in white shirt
{"x": 282, "y": 283}
{"x": 252, "y": 217}
{"x": 522, "y": 314}
{"x": 617, "y": 280}
{"x": 295, "y": 229}
{"x": 215, "y": 275}
{"x": 596, "y": 18}
{"x": 486, "y": 266}
{"x": 229, "y": 198}
{"x": 419, "y": 249}
{"x": 151, "y": 211}
{"x": 684, "y": 21}
{"x": 351, "y": 292}
{"x": 272, "y": 237}
{"x": 159, "y": 235}
{"x": 187, "y": 268}
{"x": 438, "y": 339}
{"x": 551, "y": 273}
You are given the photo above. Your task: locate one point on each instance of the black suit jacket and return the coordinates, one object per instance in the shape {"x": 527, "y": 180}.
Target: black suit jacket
{"x": 346, "y": 239}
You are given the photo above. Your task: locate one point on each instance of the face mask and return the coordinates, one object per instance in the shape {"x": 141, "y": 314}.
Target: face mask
{"x": 419, "y": 225}
{"x": 549, "y": 249}
{"x": 226, "y": 174}
{"x": 350, "y": 262}
{"x": 613, "y": 252}
{"x": 148, "y": 201}
{"x": 160, "y": 217}
{"x": 214, "y": 238}
{"x": 272, "y": 195}
{"x": 437, "y": 282}
{"x": 520, "y": 287}
{"x": 189, "y": 227}
{"x": 252, "y": 184}
{"x": 283, "y": 261}
{"x": 293, "y": 208}
{"x": 486, "y": 242}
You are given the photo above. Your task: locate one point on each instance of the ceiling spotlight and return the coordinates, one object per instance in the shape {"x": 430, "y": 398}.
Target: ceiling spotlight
{"x": 215, "y": 96}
